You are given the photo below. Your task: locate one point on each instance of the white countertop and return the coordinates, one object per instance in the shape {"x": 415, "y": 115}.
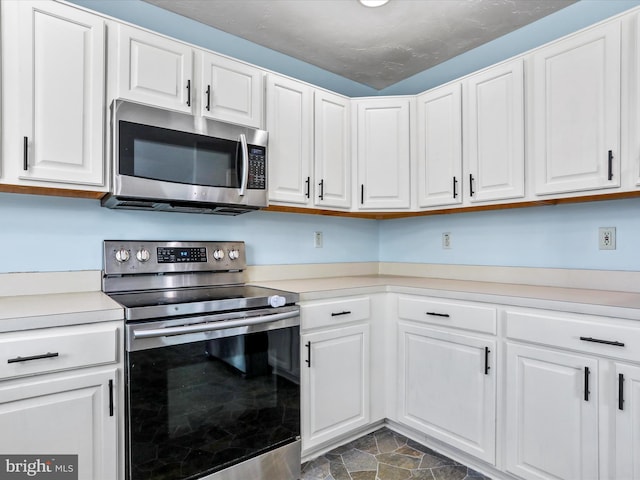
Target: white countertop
{"x": 596, "y": 302}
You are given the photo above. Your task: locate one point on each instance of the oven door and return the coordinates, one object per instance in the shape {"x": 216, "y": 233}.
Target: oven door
{"x": 207, "y": 393}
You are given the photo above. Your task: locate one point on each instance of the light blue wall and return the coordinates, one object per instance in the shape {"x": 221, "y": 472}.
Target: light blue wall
{"x": 40, "y": 233}
{"x": 560, "y": 236}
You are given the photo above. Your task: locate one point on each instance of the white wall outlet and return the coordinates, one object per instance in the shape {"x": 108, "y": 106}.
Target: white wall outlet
{"x": 317, "y": 239}
{"x": 446, "y": 240}
{"x": 607, "y": 238}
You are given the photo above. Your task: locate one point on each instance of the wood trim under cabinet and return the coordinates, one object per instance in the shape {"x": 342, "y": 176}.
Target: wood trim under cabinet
{"x": 442, "y": 211}
{"x": 57, "y": 192}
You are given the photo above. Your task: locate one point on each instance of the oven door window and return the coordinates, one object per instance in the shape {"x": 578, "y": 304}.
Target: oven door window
{"x": 179, "y": 157}
{"x": 197, "y": 408}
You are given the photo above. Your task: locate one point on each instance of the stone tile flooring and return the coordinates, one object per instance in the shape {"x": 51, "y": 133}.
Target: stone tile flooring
{"x": 386, "y": 455}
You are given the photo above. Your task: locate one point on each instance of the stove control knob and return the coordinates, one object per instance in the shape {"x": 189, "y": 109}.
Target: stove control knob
{"x": 218, "y": 254}
{"x": 277, "y": 301}
{"x": 234, "y": 254}
{"x": 122, "y": 255}
{"x": 143, "y": 255}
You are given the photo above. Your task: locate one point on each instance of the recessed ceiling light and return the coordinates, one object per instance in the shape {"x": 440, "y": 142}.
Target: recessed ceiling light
{"x": 373, "y": 3}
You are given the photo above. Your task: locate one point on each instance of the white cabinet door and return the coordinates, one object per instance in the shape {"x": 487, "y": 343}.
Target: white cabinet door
{"x": 231, "y": 91}
{"x": 440, "y": 147}
{"x": 627, "y": 426}
{"x": 289, "y": 117}
{"x": 332, "y": 159}
{"x": 575, "y": 112}
{"x": 154, "y": 70}
{"x": 494, "y": 133}
{"x": 71, "y": 415}
{"x": 448, "y": 387}
{"x": 383, "y": 152}
{"x": 551, "y": 423}
{"x": 335, "y": 383}
{"x": 61, "y": 85}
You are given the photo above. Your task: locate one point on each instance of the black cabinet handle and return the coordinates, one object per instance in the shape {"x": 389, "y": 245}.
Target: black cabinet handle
{"x": 362, "y": 194}
{"x": 111, "y": 398}
{"x": 208, "y": 92}
{"x": 610, "y": 176}
{"x": 486, "y": 360}
{"x": 586, "y": 384}
{"x": 188, "y": 93}
{"x": 471, "y": 192}
{"x": 620, "y": 391}
{"x": 308, "y": 184}
{"x": 455, "y": 185}
{"x": 33, "y": 357}
{"x": 321, "y": 184}
{"x": 308, "y": 360}
{"x": 605, "y": 342}
{"x": 436, "y": 314}
{"x": 337, "y": 314}
{"x": 25, "y": 150}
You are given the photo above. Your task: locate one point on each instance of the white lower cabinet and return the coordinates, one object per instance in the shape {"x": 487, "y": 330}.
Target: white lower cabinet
{"x": 335, "y": 370}
{"x": 60, "y": 394}
{"x": 552, "y": 414}
{"x": 627, "y": 421}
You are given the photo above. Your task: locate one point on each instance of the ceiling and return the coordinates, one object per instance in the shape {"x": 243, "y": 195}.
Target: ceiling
{"x": 377, "y": 47}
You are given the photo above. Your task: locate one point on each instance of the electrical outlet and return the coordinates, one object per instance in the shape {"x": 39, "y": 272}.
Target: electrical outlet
{"x": 446, "y": 240}
{"x": 607, "y": 238}
{"x": 317, "y": 239}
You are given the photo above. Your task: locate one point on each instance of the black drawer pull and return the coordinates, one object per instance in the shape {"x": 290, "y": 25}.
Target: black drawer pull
{"x": 33, "y": 357}
{"x": 110, "y": 398}
{"x": 486, "y": 360}
{"x": 436, "y": 314}
{"x": 308, "y": 360}
{"x": 337, "y": 314}
{"x": 606, "y": 342}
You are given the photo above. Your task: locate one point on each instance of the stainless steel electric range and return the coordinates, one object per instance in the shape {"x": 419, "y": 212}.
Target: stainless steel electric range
{"x": 212, "y": 365}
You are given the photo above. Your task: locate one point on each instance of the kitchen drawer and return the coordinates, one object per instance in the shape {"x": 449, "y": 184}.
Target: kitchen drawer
{"x": 585, "y": 333}
{"x": 333, "y": 312}
{"x": 449, "y": 313}
{"x": 47, "y": 350}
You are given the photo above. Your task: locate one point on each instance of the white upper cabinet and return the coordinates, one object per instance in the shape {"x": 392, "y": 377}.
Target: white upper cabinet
{"x": 383, "y": 153}
{"x": 332, "y": 159}
{"x": 154, "y": 70}
{"x": 574, "y": 112}
{"x": 54, "y": 70}
{"x": 289, "y": 123}
{"x": 231, "y": 91}
{"x": 440, "y": 146}
{"x": 494, "y": 133}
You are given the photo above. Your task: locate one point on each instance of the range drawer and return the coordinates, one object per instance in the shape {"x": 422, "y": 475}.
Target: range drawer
{"x": 449, "y": 313}
{"x": 586, "y": 333}
{"x": 333, "y": 312}
{"x": 47, "y": 350}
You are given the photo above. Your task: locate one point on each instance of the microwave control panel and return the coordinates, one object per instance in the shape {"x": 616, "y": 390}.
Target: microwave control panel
{"x": 257, "y": 168}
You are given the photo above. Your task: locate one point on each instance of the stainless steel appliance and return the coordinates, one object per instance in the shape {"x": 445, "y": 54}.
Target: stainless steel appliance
{"x": 212, "y": 365}
{"x": 170, "y": 161}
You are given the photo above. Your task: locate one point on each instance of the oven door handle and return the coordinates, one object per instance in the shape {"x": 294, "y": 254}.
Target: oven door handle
{"x": 211, "y": 326}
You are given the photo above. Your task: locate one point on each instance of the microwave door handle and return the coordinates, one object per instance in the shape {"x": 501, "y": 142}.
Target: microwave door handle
{"x": 245, "y": 164}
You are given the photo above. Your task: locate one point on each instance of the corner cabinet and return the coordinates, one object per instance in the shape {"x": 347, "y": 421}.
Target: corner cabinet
{"x": 60, "y": 395}
{"x": 335, "y": 369}
{"x": 54, "y": 87}
{"x": 574, "y": 112}
{"x": 383, "y": 153}
{"x": 446, "y": 375}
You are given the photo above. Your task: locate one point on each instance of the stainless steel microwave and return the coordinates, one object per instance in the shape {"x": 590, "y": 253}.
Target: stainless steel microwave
{"x": 170, "y": 161}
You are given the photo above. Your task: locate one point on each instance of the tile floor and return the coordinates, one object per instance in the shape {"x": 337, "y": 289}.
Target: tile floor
{"x": 385, "y": 455}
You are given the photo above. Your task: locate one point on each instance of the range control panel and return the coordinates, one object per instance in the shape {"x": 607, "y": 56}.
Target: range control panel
{"x": 126, "y": 257}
